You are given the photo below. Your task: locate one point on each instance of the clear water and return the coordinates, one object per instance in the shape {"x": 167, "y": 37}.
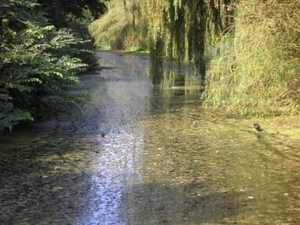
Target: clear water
{"x": 163, "y": 159}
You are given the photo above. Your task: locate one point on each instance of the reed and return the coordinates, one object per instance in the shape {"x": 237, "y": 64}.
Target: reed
{"x": 257, "y": 69}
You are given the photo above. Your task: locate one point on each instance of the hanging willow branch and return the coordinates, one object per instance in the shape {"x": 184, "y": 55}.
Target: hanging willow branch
{"x": 180, "y": 29}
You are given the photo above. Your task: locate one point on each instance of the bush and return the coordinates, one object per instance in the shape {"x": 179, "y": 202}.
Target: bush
{"x": 35, "y": 61}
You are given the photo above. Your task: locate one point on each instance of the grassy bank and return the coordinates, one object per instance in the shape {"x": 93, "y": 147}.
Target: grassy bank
{"x": 257, "y": 69}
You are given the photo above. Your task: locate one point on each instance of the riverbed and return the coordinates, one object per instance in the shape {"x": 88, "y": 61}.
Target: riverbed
{"x": 144, "y": 154}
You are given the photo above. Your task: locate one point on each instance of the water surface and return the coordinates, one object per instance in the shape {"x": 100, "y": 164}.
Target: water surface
{"x": 144, "y": 154}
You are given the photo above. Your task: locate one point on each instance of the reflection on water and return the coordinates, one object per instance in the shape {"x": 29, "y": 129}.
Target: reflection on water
{"x": 126, "y": 99}
{"x": 111, "y": 173}
{"x": 163, "y": 160}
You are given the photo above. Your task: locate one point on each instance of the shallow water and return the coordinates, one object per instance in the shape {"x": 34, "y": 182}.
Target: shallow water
{"x": 163, "y": 160}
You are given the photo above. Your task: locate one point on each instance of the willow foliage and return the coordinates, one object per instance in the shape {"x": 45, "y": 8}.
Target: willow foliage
{"x": 252, "y": 48}
{"x": 181, "y": 29}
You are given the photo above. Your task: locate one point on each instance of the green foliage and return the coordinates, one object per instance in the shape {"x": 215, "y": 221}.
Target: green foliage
{"x": 76, "y": 15}
{"x": 59, "y": 11}
{"x": 37, "y": 64}
{"x": 257, "y": 72}
{"x": 252, "y": 48}
{"x": 86, "y": 48}
{"x": 181, "y": 29}
{"x": 120, "y": 28}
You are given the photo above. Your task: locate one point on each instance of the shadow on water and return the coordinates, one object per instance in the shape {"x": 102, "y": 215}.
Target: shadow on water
{"x": 147, "y": 155}
{"x": 166, "y": 204}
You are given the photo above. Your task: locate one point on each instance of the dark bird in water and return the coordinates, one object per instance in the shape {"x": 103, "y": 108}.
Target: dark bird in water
{"x": 257, "y": 127}
{"x": 103, "y": 134}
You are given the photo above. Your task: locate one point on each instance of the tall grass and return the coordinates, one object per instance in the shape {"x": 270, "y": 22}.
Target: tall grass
{"x": 257, "y": 69}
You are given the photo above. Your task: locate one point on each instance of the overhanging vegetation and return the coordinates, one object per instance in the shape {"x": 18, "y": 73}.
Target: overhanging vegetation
{"x": 256, "y": 71}
{"x": 38, "y": 60}
{"x": 246, "y": 53}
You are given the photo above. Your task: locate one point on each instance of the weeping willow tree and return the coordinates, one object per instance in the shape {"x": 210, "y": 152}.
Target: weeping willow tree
{"x": 253, "y": 48}
{"x": 181, "y": 29}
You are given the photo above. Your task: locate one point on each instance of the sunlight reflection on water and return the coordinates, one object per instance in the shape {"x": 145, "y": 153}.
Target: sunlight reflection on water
{"x": 125, "y": 102}
{"x": 185, "y": 166}
{"x": 112, "y": 172}
{"x": 163, "y": 160}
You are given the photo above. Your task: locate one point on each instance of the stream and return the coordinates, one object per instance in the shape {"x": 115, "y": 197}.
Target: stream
{"x": 145, "y": 154}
